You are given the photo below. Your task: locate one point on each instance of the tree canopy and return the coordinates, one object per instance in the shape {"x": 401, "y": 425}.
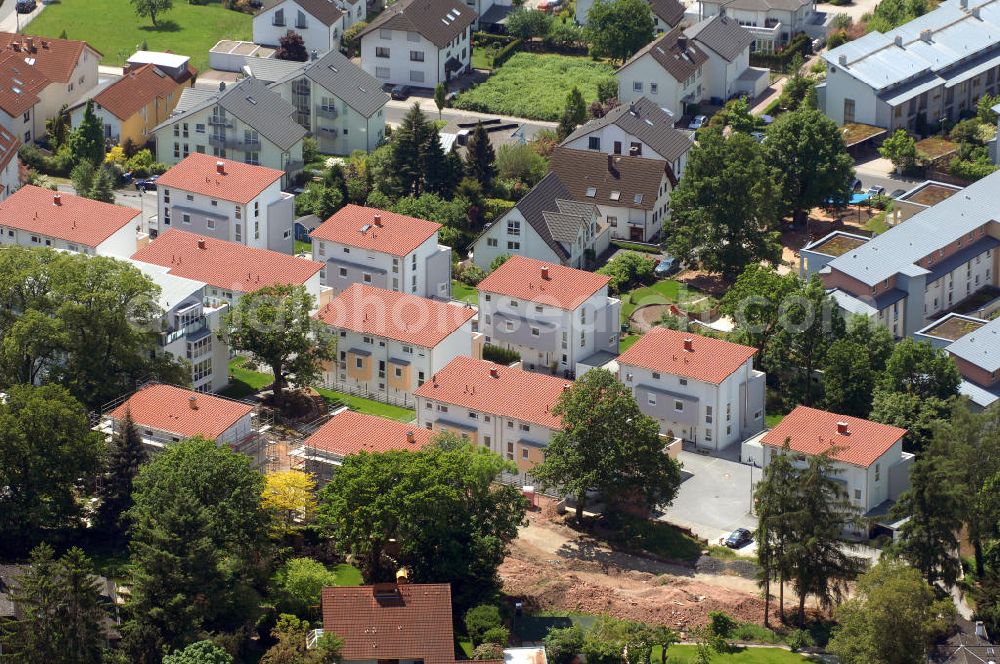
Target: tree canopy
{"x": 616, "y": 29}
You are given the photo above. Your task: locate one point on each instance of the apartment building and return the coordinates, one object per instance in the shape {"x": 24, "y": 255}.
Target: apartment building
{"x": 419, "y": 43}
{"x": 506, "y": 409}
{"x": 55, "y": 73}
{"x": 389, "y": 343}
{"x": 245, "y": 121}
{"x": 931, "y": 69}
{"x": 631, "y": 193}
{"x": 227, "y": 200}
{"x": 349, "y": 432}
{"x": 920, "y": 269}
{"x": 229, "y": 269}
{"x": 771, "y": 23}
{"x": 552, "y": 315}
{"x": 867, "y": 457}
{"x": 37, "y": 217}
{"x": 667, "y": 14}
{"x": 546, "y": 225}
{"x": 974, "y": 344}
{"x": 189, "y": 326}
{"x": 340, "y": 104}
{"x": 361, "y": 245}
{"x": 637, "y": 129}
{"x": 702, "y": 390}
{"x": 320, "y": 23}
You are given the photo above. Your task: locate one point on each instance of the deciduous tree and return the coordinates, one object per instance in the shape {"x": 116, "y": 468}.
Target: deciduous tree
{"x": 299, "y": 584}
{"x": 616, "y": 29}
{"x": 291, "y": 633}
{"x": 151, "y": 8}
{"x": 528, "y": 23}
{"x": 289, "y": 496}
{"x": 291, "y": 46}
{"x": 755, "y": 301}
{"x": 900, "y": 149}
{"x": 199, "y": 652}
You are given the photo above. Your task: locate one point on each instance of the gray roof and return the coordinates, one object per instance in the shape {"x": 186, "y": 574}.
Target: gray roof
{"x": 251, "y": 101}
{"x": 191, "y": 97}
{"x": 680, "y": 60}
{"x": 649, "y": 123}
{"x": 982, "y": 397}
{"x": 670, "y": 12}
{"x": 898, "y": 249}
{"x": 981, "y": 347}
{"x": 554, "y": 216}
{"x": 325, "y": 11}
{"x": 345, "y": 80}
{"x": 761, "y": 5}
{"x": 270, "y": 70}
{"x": 722, "y": 34}
{"x": 439, "y": 21}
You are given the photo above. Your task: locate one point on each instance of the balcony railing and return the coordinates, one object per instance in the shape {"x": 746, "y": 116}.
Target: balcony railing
{"x": 216, "y": 121}
{"x": 171, "y": 336}
{"x": 327, "y": 112}
{"x": 234, "y": 143}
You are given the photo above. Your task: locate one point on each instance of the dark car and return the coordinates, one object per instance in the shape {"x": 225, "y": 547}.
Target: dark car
{"x": 666, "y": 267}
{"x": 146, "y": 184}
{"x": 896, "y": 193}
{"x": 25, "y": 6}
{"x": 400, "y": 92}
{"x": 876, "y": 190}
{"x": 739, "y": 538}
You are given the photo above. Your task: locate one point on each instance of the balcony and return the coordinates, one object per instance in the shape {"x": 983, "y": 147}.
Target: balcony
{"x": 294, "y": 165}
{"x": 234, "y": 143}
{"x": 215, "y": 121}
{"x": 327, "y": 112}
{"x": 170, "y": 336}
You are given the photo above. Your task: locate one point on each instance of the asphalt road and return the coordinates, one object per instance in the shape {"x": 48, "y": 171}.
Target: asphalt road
{"x": 395, "y": 110}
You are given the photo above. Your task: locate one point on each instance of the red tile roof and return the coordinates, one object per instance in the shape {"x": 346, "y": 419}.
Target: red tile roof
{"x": 20, "y": 84}
{"x": 74, "y": 219}
{"x": 398, "y": 235}
{"x": 239, "y": 182}
{"x": 564, "y": 287}
{"x": 9, "y": 145}
{"x": 384, "y": 313}
{"x": 168, "y": 408}
{"x": 350, "y": 432}
{"x": 137, "y": 88}
{"x": 56, "y": 59}
{"x": 387, "y": 622}
{"x": 229, "y": 265}
{"x": 514, "y": 393}
{"x": 813, "y": 431}
{"x": 709, "y": 360}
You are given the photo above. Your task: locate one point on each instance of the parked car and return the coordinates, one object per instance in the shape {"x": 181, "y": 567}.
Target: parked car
{"x": 876, "y": 190}
{"x": 25, "y": 6}
{"x": 857, "y": 185}
{"x": 667, "y": 266}
{"x": 147, "y": 184}
{"x": 759, "y": 136}
{"x": 401, "y": 92}
{"x": 550, "y": 6}
{"x": 698, "y": 122}
{"x": 896, "y": 193}
{"x": 739, "y": 538}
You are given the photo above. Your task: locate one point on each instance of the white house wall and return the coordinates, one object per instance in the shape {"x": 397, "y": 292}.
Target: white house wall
{"x": 398, "y": 68}
{"x": 315, "y": 34}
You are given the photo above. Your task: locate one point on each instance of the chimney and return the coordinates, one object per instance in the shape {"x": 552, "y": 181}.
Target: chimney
{"x": 975, "y": 12}
{"x": 682, "y": 43}
{"x": 410, "y": 438}
{"x": 494, "y": 373}
{"x": 964, "y": 4}
{"x": 314, "y": 55}
{"x": 193, "y": 402}
{"x": 378, "y": 220}
{"x": 220, "y": 167}
{"x": 898, "y": 41}
{"x": 545, "y": 272}
{"x": 402, "y": 576}
{"x": 925, "y": 35}
{"x": 566, "y": 387}
{"x": 57, "y": 199}
{"x": 842, "y": 60}
{"x": 222, "y": 86}
{"x": 689, "y": 344}
{"x": 31, "y": 44}
{"x": 842, "y": 428}
{"x": 201, "y": 244}
{"x": 632, "y": 109}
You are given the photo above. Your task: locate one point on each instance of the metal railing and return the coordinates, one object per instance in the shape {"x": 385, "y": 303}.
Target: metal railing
{"x": 234, "y": 142}
{"x": 169, "y": 337}
{"x": 215, "y": 121}
{"x": 405, "y": 401}
{"x": 327, "y": 112}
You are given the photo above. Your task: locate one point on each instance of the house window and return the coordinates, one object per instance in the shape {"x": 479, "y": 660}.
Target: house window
{"x": 857, "y": 494}
{"x": 679, "y": 406}
{"x": 343, "y": 271}
{"x": 398, "y": 372}
{"x": 524, "y": 453}
{"x": 656, "y": 375}
{"x": 367, "y": 277}
{"x": 382, "y": 72}
{"x": 636, "y": 86}
{"x": 708, "y": 435}
{"x": 416, "y": 56}
{"x": 684, "y": 381}
{"x": 513, "y": 227}
{"x": 613, "y": 222}
{"x": 594, "y": 143}
{"x": 210, "y": 224}
{"x": 535, "y": 332}
{"x": 514, "y": 246}
{"x": 652, "y": 399}
{"x": 359, "y": 363}
{"x": 416, "y": 76}
{"x": 279, "y": 18}
{"x": 381, "y": 51}
{"x": 300, "y": 21}
{"x": 525, "y": 427}
{"x": 491, "y": 242}
{"x": 186, "y": 218}
{"x": 509, "y": 326}
{"x": 848, "y": 111}
{"x": 653, "y": 88}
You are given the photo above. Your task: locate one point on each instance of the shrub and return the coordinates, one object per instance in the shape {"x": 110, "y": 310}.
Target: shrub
{"x": 563, "y": 645}
{"x": 500, "y": 355}
{"x": 799, "y": 639}
{"x": 494, "y": 208}
{"x": 800, "y": 44}
{"x": 838, "y": 38}
{"x": 485, "y": 651}
{"x": 351, "y": 40}
{"x": 498, "y": 261}
{"x": 841, "y": 22}
{"x": 627, "y": 269}
{"x": 140, "y": 164}
{"x": 470, "y": 274}
{"x": 31, "y": 156}
{"x": 506, "y": 53}
{"x": 496, "y": 635}
{"x": 722, "y": 624}
{"x": 518, "y": 161}
{"x": 481, "y": 619}
{"x": 607, "y": 89}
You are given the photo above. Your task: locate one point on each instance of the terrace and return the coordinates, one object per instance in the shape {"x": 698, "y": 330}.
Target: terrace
{"x": 930, "y": 193}
{"x": 837, "y": 244}
{"x": 953, "y": 327}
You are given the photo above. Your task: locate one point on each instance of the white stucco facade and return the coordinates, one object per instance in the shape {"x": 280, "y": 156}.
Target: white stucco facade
{"x": 397, "y": 57}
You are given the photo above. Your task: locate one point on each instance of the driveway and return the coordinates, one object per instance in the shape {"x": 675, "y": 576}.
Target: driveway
{"x": 715, "y": 495}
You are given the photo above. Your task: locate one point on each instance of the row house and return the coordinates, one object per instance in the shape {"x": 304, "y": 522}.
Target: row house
{"x": 227, "y": 200}
{"x": 505, "y": 409}
{"x": 245, "y": 121}
{"x": 552, "y": 316}
{"x": 771, "y": 23}
{"x": 974, "y": 344}
{"x": 338, "y": 102}
{"x": 390, "y": 343}
{"x": 37, "y": 217}
{"x": 361, "y": 245}
{"x": 702, "y": 390}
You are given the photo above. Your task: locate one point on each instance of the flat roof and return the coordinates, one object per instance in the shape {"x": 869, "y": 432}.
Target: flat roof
{"x": 930, "y": 193}
{"x": 836, "y": 243}
{"x": 171, "y": 60}
{"x": 953, "y": 327}
{"x": 856, "y": 133}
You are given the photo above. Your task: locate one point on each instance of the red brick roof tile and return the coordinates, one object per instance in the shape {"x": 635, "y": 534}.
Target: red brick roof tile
{"x": 813, "y": 431}
{"x": 74, "y": 219}
{"x": 168, "y": 408}
{"x": 20, "y": 84}
{"x": 709, "y": 360}
{"x": 9, "y": 145}
{"x": 239, "y": 182}
{"x": 400, "y": 316}
{"x": 564, "y": 287}
{"x": 349, "y": 432}
{"x": 398, "y": 235}
{"x": 56, "y": 59}
{"x": 512, "y": 392}
{"x": 133, "y": 91}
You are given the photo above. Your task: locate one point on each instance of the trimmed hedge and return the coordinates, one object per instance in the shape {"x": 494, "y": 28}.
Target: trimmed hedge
{"x": 506, "y": 53}
{"x": 500, "y": 355}
{"x": 484, "y": 38}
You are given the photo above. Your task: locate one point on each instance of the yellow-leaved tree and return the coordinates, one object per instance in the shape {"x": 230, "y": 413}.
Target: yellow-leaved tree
{"x": 290, "y": 496}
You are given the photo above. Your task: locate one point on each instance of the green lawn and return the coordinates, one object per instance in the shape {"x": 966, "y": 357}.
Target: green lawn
{"x": 463, "y": 293}
{"x": 535, "y": 85}
{"x": 112, "y": 27}
{"x": 877, "y": 224}
{"x": 244, "y": 382}
{"x": 627, "y": 341}
{"x": 772, "y": 420}
{"x": 657, "y": 537}
{"x": 348, "y": 575}
{"x": 685, "y": 654}
{"x": 303, "y": 247}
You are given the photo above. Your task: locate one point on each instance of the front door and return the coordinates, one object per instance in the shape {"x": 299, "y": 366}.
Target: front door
{"x": 635, "y": 233}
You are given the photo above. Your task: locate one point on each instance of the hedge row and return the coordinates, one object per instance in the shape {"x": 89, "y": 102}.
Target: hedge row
{"x": 506, "y": 53}
{"x": 500, "y": 355}
{"x": 484, "y": 38}
{"x": 800, "y": 43}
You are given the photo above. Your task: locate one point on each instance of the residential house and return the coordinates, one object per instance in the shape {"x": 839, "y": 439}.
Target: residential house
{"x": 932, "y": 69}
{"x": 227, "y": 200}
{"x": 56, "y": 73}
{"x": 868, "y": 457}
{"x": 505, "y": 409}
{"x": 384, "y": 249}
{"x": 688, "y": 65}
{"x": 141, "y": 99}
{"x": 551, "y": 315}
{"x": 10, "y": 163}
{"x": 229, "y": 269}
{"x": 244, "y": 122}
{"x": 37, "y": 217}
{"x": 165, "y": 414}
{"x": 389, "y": 342}
{"x": 320, "y": 23}
{"x": 772, "y": 23}
{"x": 921, "y": 269}
{"x": 547, "y": 224}
{"x": 974, "y": 344}
{"x": 637, "y": 129}
{"x": 419, "y": 42}
{"x": 339, "y": 103}
{"x": 189, "y": 327}
{"x": 632, "y": 193}
{"x": 349, "y": 432}
{"x": 667, "y": 14}
{"x": 702, "y": 390}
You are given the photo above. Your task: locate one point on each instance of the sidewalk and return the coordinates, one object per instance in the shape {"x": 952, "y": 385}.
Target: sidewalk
{"x": 428, "y": 106}
{"x": 11, "y": 21}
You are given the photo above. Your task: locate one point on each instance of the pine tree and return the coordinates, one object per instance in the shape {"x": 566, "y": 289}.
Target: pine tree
{"x": 433, "y": 164}
{"x": 125, "y": 455}
{"x": 480, "y": 159}
{"x": 776, "y": 505}
{"x": 576, "y": 107}
{"x": 408, "y": 144}
{"x": 86, "y": 142}
{"x": 566, "y": 126}
{"x": 103, "y": 188}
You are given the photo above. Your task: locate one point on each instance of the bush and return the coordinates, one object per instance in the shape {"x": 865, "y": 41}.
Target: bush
{"x": 722, "y": 624}
{"x": 627, "y": 269}
{"x": 497, "y": 635}
{"x": 498, "y": 261}
{"x": 479, "y": 620}
{"x": 140, "y": 165}
{"x": 799, "y": 639}
{"x": 500, "y": 355}
{"x": 350, "y": 41}
{"x": 487, "y": 38}
{"x": 563, "y": 645}
{"x": 838, "y": 38}
{"x": 32, "y": 156}
{"x": 494, "y": 208}
{"x": 841, "y": 22}
{"x": 800, "y": 44}
{"x": 607, "y": 90}
{"x": 470, "y": 274}
{"x": 521, "y": 162}
{"x": 506, "y": 53}
{"x": 485, "y": 651}
{"x": 971, "y": 169}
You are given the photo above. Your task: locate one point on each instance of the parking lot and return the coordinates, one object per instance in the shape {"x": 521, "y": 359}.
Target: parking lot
{"x": 715, "y": 495}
